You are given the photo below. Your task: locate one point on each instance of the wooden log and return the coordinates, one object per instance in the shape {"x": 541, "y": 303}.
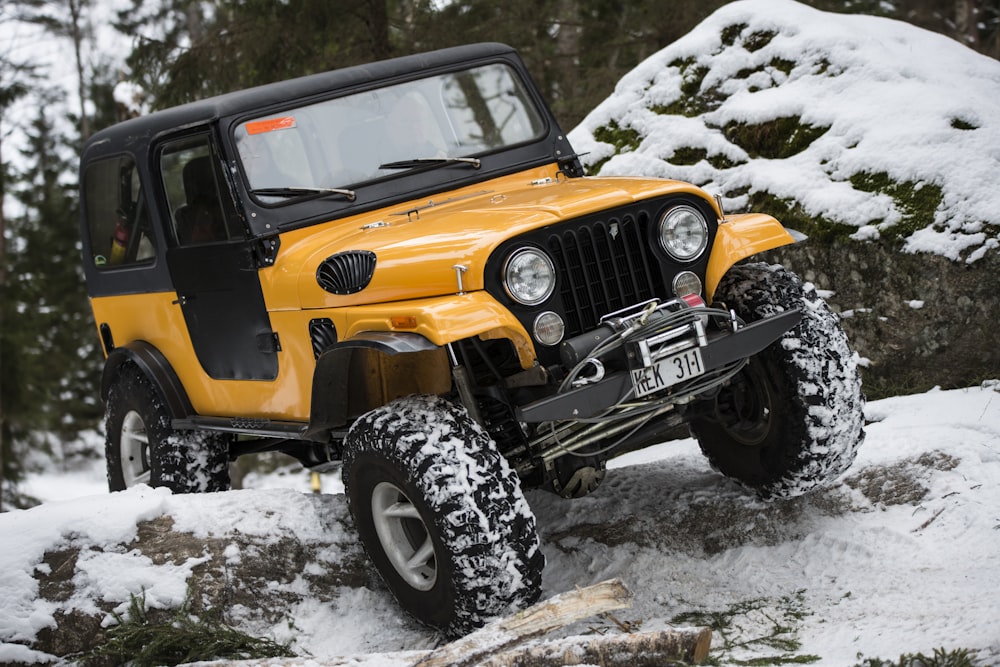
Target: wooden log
{"x": 554, "y": 613}
{"x": 686, "y": 646}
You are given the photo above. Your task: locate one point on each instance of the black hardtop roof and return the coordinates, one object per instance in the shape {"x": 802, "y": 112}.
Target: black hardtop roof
{"x": 274, "y": 94}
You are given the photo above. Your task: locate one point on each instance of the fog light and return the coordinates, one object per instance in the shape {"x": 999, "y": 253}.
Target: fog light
{"x": 549, "y": 328}
{"x": 686, "y": 283}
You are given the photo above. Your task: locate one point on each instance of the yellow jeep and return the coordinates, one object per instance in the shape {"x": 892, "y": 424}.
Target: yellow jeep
{"x": 400, "y": 270}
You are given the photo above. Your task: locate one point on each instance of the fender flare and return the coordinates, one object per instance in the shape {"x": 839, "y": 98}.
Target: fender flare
{"x": 156, "y": 367}
{"x": 739, "y": 237}
{"x": 330, "y": 385}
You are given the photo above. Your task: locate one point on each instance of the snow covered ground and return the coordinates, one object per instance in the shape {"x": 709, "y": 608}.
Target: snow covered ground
{"x": 900, "y": 556}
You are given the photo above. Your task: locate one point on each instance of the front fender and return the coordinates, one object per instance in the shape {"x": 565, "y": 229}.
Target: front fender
{"x": 441, "y": 320}
{"x": 390, "y": 349}
{"x": 739, "y": 237}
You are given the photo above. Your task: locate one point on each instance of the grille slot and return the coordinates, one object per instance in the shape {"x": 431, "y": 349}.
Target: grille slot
{"x": 322, "y": 334}
{"x": 346, "y": 272}
{"x": 604, "y": 266}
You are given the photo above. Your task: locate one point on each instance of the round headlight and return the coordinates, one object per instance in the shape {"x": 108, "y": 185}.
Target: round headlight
{"x": 683, "y": 232}
{"x": 529, "y": 276}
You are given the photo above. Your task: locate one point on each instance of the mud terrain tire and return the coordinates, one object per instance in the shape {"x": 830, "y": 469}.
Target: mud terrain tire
{"x": 441, "y": 514}
{"x": 793, "y": 418}
{"x": 142, "y": 448}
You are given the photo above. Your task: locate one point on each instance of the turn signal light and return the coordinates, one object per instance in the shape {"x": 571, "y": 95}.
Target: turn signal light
{"x": 403, "y": 322}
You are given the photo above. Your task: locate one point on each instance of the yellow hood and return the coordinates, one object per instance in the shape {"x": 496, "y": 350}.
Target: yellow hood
{"x": 418, "y": 244}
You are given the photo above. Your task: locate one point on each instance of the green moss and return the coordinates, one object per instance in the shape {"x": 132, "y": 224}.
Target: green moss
{"x": 720, "y": 161}
{"x": 595, "y": 169}
{"x": 960, "y": 124}
{"x": 791, "y": 214}
{"x": 694, "y": 77}
{"x": 758, "y": 40}
{"x": 682, "y": 63}
{"x": 782, "y": 65}
{"x": 693, "y": 100}
{"x": 688, "y": 156}
{"x": 916, "y": 201}
{"x": 775, "y": 139}
{"x": 622, "y": 138}
{"x": 732, "y": 32}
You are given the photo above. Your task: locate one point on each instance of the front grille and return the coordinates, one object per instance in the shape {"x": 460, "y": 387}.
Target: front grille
{"x": 604, "y": 266}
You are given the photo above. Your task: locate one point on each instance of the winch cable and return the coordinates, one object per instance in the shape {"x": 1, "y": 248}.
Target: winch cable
{"x": 622, "y": 410}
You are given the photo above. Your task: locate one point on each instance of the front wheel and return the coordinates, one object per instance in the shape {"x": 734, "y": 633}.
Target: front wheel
{"x": 142, "y": 448}
{"x": 441, "y": 514}
{"x": 793, "y": 418}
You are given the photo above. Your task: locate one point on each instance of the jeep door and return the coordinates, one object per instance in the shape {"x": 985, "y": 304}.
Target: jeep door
{"x": 212, "y": 266}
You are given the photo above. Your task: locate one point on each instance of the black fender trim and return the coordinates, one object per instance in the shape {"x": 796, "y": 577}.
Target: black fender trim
{"x": 330, "y": 384}
{"x": 156, "y": 367}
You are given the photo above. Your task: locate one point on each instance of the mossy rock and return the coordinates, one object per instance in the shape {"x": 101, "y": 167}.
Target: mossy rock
{"x": 917, "y": 201}
{"x": 774, "y": 139}
{"x": 793, "y": 215}
{"x": 622, "y": 138}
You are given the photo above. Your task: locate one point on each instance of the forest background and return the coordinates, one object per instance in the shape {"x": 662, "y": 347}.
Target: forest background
{"x": 182, "y": 50}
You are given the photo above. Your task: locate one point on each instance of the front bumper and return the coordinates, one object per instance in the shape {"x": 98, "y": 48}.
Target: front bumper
{"x": 662, "y": 355}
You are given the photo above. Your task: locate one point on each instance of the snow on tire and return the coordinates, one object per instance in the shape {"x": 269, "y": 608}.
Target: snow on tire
{"x": 441, "y": 514}
{"x": 793, "y": 419}
{"x": 142, "y": 448}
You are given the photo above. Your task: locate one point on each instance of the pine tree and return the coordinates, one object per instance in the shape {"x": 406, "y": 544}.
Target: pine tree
{"x": 52, "y": 362}
{"x": 183, "y": 53}
{"x": 15, "y": 80}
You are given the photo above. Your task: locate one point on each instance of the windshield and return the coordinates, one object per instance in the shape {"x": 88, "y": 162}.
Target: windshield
{"x": 418, "y": 124}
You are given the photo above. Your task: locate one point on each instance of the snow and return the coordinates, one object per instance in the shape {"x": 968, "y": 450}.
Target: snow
{"x": 901, "y": 555}
{"x": 896, "y": 99}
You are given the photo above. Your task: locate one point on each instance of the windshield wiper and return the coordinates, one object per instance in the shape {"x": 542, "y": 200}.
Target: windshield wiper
{"x": 303, "y": 191}
{"x": 433, "y": 161}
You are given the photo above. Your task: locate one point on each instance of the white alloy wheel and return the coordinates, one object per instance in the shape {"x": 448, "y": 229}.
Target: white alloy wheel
{"x": 404, "y": 536}
{"x": 134, "y": 450}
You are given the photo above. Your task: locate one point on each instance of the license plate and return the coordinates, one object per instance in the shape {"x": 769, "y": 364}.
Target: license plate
{"x": 668, "y": 372}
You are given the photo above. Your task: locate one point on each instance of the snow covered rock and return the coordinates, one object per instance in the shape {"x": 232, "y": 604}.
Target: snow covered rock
{"x": 224, "y": 551}
{"x": 849, "y": 120}
{"x": 870, "y": 135}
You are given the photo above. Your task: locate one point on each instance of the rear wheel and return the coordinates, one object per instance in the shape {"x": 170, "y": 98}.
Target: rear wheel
{"x": 142, "y": 448}
{"x": 792, "y": 419}
{"x": 441, "y": 514}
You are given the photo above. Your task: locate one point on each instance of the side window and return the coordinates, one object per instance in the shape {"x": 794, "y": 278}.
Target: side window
{"x": 117, "y": 214}
{"x": 200, "y": 208}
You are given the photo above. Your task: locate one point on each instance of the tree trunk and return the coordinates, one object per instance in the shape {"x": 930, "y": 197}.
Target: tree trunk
{"x": 75, "y": 30}
{"x": 682, "y": 646}
{"x": 378, "y": 24}
{"x": 3, "y": 276}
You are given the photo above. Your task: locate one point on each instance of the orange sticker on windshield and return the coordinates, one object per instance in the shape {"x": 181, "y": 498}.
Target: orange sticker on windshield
{"x": 270, "y": 125}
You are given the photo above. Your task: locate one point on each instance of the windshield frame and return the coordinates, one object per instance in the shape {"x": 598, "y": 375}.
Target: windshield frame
{"x": 545, "y": 144}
